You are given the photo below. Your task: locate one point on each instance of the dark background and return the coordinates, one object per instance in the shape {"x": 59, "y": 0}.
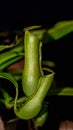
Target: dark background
{"x": 19, "y": 14}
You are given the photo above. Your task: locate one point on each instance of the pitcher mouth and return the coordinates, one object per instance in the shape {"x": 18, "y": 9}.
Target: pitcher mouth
{"x": 47, "y": 71}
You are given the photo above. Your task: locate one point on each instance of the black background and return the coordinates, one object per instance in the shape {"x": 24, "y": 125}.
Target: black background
{"x": 19, "y": 14}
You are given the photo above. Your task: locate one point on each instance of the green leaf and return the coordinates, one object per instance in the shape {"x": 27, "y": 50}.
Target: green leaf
{"x": 68, "y": 91}
{"x": 12, "y": 55}
{"x": 61, "y": 29}
{"x": 2, "y": 47}
{"x": 9, "y": 62}
{"x": 60, "y": 91}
